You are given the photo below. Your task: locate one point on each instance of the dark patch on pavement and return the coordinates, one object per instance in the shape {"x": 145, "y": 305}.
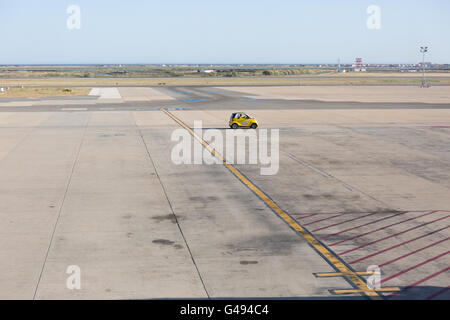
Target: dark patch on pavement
{"x": 280, "y": 245}
{"x": 163, "y": 241}
{"x": 312, "y": 196}
{"x": 203, "y": 199}
{"x": 169, "y": 217}
{"x": 168, "y": 243}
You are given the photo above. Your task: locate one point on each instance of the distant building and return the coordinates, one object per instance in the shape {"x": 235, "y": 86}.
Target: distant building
{"x": 208, "y": 71}
{"x": 358, "y": 66}
{"x": 425, "y": 64}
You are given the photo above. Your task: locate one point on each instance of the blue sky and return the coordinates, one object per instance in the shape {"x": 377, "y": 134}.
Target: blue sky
{"x": 227, "y": 31}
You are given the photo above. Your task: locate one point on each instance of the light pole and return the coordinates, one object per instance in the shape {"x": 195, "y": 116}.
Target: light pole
{"x": 423, "y": 50}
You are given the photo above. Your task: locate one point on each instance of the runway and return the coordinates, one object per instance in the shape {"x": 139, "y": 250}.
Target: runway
{"x": 92, "y": 183}
{"x": 203, "y": 98}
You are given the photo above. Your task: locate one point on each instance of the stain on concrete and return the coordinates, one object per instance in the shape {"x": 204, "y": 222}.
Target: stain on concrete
{"x": 203, "y": 199}
{"x": 247, "y": 262}
{"x": 163, "y": 241}
{"x": 167, "y": 217}
{"x": 314, "y": 196}
{"x": 168, "y": 243}
{"x": 280, "y": 245}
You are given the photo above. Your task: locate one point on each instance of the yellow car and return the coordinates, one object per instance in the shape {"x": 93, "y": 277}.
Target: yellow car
{"x": 242, "y": 120}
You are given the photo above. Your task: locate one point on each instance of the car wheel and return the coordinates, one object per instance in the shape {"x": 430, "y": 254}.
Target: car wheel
{"x": 234, "y": 126}
{"x": 254, "y": 126}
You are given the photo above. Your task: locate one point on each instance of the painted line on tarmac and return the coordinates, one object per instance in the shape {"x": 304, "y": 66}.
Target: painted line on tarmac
{"x": 343, "y": 222}
{"x": 438, "y": 293}
{"x": 298, "y": 216}
{"x": 399, "y": 245}
{"x": 346, "y": 291}
{"x": 340, "y": 274}
{"x": 324, "y": 219}
{"x": 392, "y": 235}
{"x": 420, "y": 281}
{"x": 329, "y": 176}
{"x": 414, "y": 252}
{"x": 322, "y": 173}
{"x": 415, "y": 267}
{"x": 339, "y": 265}
{"x": 73, "y": 109}
{"x": 362, "y": 225}
{"x": 379, "y": 229}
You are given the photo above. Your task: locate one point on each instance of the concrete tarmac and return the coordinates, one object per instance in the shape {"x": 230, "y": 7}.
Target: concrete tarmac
{"x": 97, "y": 189}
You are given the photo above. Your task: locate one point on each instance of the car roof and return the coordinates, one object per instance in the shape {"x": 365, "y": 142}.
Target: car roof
{"x": 234, "y": 113}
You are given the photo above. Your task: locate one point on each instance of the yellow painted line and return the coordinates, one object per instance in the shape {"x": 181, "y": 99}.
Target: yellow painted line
{"x": 341, "y": 274}
{"x": 326, "y": 254}
{"x": 348, "y": 291}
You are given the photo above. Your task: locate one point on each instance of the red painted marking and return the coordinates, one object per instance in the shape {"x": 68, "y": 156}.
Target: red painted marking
{"x": 381, "y": 228}
{"x": 420, "y": 281}
{"x": 393, "y": 235}
{"x": 345, "y": 221}
{"x": 397, "y": 245}
{"x": 413, "y": 252}
{"x": 363, "y": 225}
{"x": 307, "y": 216}
{"x": 437, "y": 293}
{"x": 338, "y": 215}
{"x": 414, "y": 267}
